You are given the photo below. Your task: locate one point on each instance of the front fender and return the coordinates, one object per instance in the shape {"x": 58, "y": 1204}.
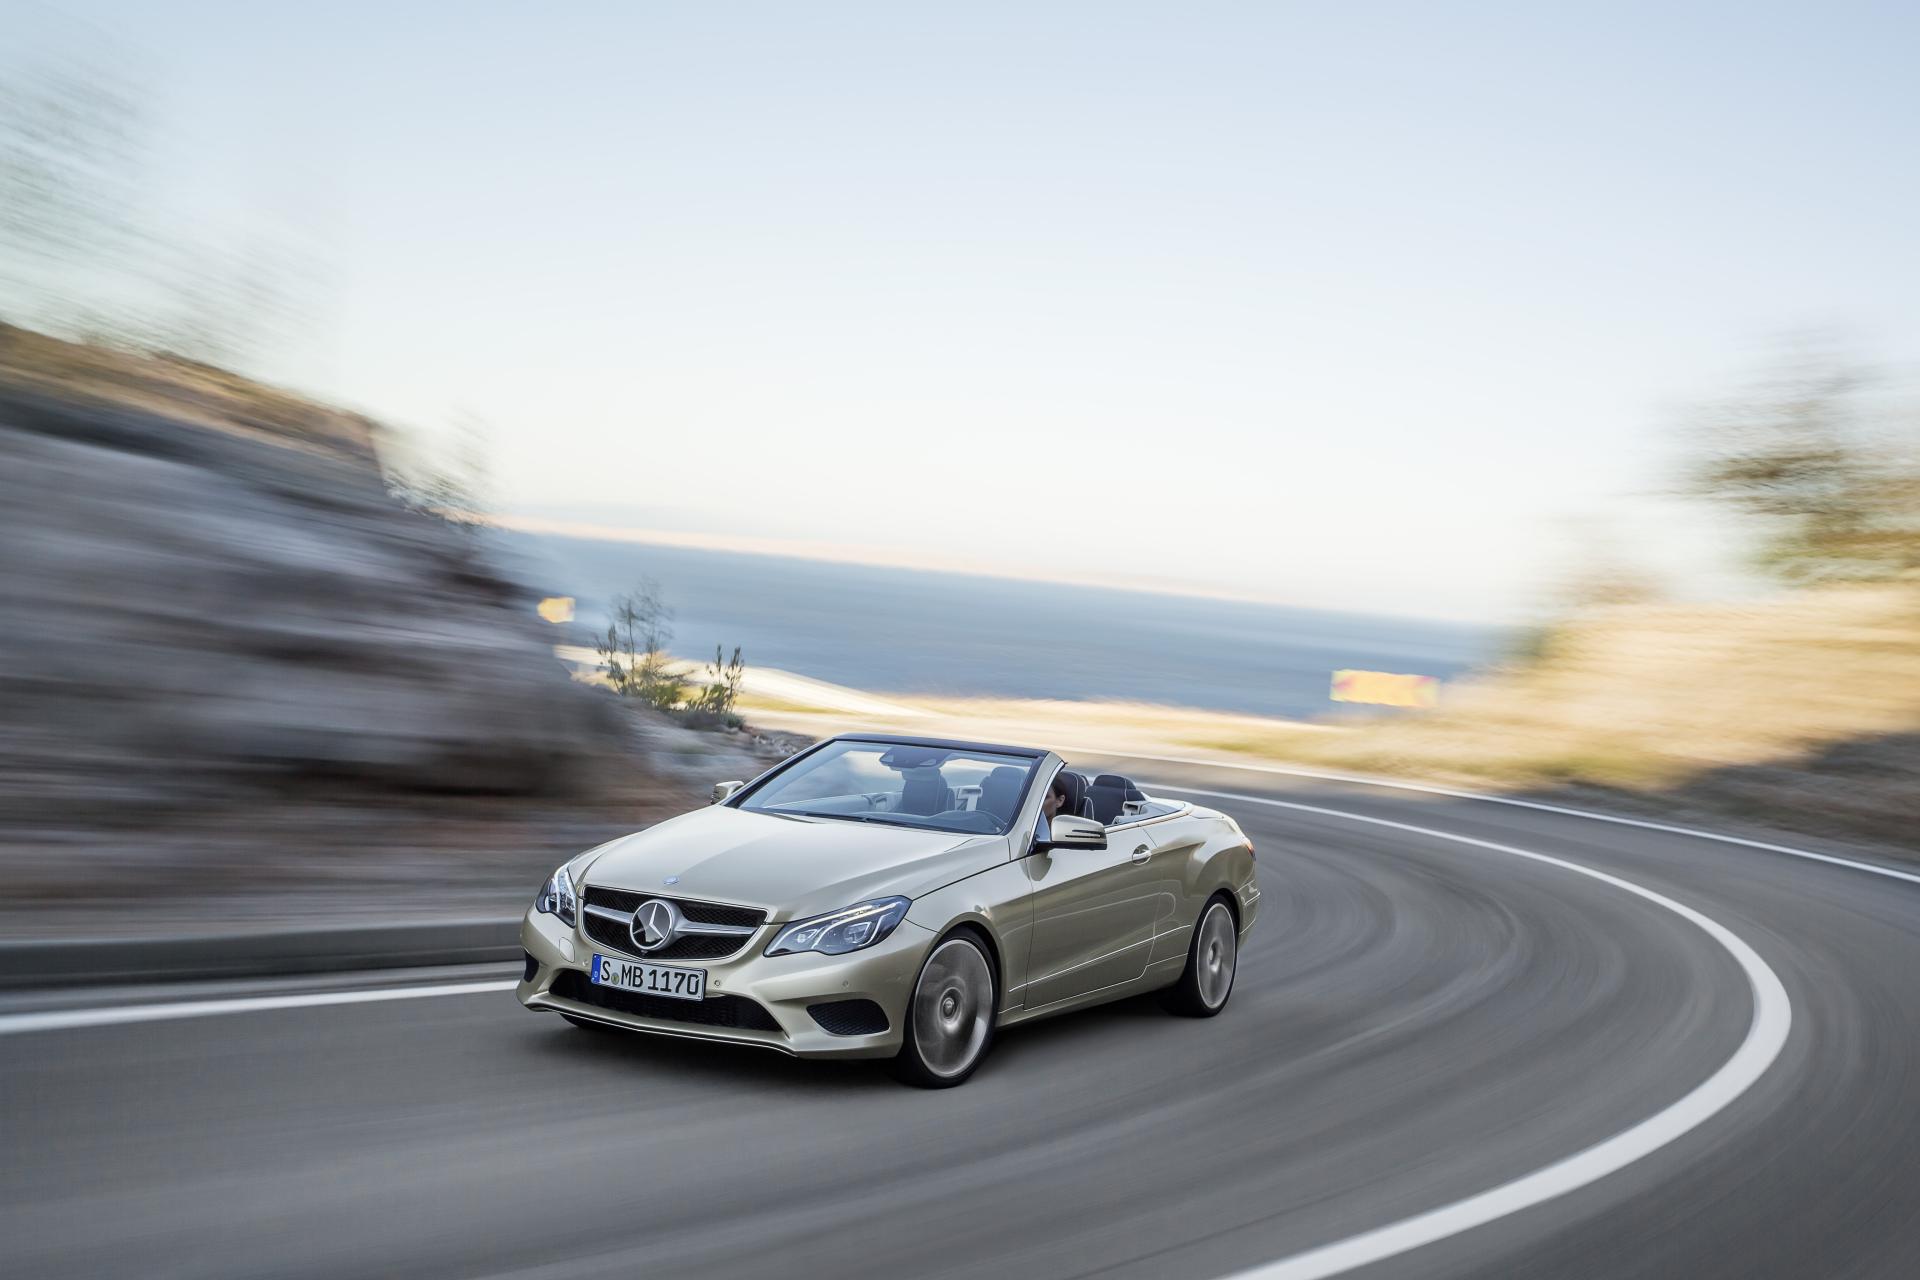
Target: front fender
{"x": 997, "y": 901}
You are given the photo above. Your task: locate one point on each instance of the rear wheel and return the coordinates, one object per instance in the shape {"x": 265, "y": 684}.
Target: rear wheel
{"x": 1213, "y": 956}
{"x": 950, "y": 1016}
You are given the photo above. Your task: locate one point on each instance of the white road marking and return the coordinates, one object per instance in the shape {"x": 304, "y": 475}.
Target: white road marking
{"x": 65, "y": 1019}
{"x": 1645, "y": 824}
{"x": 1766, "y": 1035}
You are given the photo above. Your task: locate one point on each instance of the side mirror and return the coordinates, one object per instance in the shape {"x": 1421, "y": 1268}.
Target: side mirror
{"x": 1070, "y": 832}
{"x": 722, "y": 790}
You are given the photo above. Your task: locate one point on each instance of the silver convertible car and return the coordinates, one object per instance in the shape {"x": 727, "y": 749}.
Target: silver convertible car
{"x": 897, "y": 898}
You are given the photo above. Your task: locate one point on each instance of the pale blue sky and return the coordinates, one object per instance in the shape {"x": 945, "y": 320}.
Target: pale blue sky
{"x": 1351, "y": 305}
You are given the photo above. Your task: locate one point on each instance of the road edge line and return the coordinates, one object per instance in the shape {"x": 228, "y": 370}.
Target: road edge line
{"x": 1455, "y": 793}
{"x": 1766, "y": 1037}
{"x": 117, "y": 1015}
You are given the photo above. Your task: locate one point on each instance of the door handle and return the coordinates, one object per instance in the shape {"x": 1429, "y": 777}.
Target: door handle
{"x": 1142, "y": 853}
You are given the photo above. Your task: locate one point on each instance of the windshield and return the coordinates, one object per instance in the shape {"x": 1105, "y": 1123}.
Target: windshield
{"x": 901, "y": 784}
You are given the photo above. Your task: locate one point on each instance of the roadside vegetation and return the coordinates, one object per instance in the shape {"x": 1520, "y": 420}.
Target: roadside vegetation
{"x": 1799, "y": 707}
{"x": 1822, "y": 469}
{"x": 634, "y": 661}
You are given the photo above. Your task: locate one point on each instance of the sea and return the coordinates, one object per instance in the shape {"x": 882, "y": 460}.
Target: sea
{"x": 893, "y": 630}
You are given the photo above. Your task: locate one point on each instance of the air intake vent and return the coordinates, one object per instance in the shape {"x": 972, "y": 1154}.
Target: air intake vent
{"x": 715, "y": 1011}
{"x": 850, "y": 1017}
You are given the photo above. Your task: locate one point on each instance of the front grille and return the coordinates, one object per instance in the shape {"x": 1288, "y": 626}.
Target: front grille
{"x": 736, "y": 1012}
{"x": 612, "y": 933}
{"x": 850, "y": 1017}
{"x": 702, "y": 912}
{"x": 692, "y": 947}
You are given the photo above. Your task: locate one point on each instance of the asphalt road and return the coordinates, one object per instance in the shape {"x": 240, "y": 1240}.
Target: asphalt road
{"x": 1416, "y": 1020}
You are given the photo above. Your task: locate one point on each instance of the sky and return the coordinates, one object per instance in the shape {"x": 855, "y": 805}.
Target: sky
{"x": 1386, "y": 307}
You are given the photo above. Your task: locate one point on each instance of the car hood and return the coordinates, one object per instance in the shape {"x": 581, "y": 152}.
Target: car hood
{"x": 790, "y": 867}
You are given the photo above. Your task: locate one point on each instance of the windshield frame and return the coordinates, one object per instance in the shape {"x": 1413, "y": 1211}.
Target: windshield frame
{"x": 1035, "y": 756}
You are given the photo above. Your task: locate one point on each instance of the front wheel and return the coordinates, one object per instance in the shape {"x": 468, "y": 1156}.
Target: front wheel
{"x": 1212, "y": 959}
{"x": 950, "y": 1016}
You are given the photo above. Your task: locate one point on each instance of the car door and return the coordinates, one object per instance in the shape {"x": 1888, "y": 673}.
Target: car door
{"x": 1093, "y": 914}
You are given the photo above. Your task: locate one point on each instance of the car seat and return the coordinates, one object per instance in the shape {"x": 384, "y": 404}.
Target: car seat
{"x": 1108, "y": 797}
{"x": 1000, "y": 792}
{"x": 924, "y": 793}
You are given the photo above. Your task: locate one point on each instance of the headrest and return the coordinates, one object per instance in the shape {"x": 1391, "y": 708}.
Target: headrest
{"x": 1002, "y": 784}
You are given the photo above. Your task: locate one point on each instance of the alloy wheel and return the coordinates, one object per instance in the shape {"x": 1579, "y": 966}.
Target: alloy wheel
{"x": 1214, "y": 956}
{"x": 953, "y": 1007}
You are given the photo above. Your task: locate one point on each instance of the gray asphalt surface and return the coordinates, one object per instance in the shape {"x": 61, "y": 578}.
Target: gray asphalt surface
{"x": 1414, "y": 1021}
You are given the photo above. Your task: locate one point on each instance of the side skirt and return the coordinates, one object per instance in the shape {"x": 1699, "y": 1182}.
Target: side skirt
{"x": 1160, "y": 974}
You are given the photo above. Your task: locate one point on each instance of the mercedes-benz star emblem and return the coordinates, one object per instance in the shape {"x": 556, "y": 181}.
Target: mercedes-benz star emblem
{"x": 655, "y": 924}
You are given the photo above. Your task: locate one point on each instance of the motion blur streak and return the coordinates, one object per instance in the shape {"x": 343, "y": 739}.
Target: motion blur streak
{"x": 1644, "y": 824}
{"x": 67, "y": 1019}
{"x": 1766, "y": 1035}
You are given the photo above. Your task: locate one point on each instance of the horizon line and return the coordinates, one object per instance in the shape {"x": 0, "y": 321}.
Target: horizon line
{"x": 869, "y": 556}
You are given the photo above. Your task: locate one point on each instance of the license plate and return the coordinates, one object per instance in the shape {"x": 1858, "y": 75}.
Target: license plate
{"x": 653, "y": 979}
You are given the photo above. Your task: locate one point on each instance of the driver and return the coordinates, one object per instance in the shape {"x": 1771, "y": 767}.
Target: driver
{"x": 1055, "y": 801}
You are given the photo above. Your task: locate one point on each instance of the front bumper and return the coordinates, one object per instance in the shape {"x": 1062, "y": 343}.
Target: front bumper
{"x": 783, "y": 986}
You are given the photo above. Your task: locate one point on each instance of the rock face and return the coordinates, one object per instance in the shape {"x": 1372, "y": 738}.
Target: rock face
{"x": 185, "y": 606}
{"x": 229, "y": 657}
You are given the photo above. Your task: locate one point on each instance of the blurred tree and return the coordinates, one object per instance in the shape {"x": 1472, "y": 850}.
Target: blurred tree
{"x": 1835, "y": 501}
{"x": 70, "y": 152}
{"x": 86, "y": 250}
{"x": 223, "y": 306}
{"x": 449, "y": 476}
{"x": 447, "y": 479}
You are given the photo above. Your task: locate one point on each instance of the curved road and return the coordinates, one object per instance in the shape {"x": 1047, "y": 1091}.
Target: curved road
{"x": 1417, "y": 1020}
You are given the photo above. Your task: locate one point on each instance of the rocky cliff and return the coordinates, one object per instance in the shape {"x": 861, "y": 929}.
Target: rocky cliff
{"x": 231, "y": 664}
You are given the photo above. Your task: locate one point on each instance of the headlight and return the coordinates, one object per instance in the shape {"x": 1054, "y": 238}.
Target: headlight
{"x": 557, "y": 897}
{"x": 839, "y": 932}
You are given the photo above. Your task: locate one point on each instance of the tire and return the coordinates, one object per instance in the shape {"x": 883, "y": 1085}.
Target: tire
{"x": 950, "y": 1016}
{"x": 1213, "y": 958}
